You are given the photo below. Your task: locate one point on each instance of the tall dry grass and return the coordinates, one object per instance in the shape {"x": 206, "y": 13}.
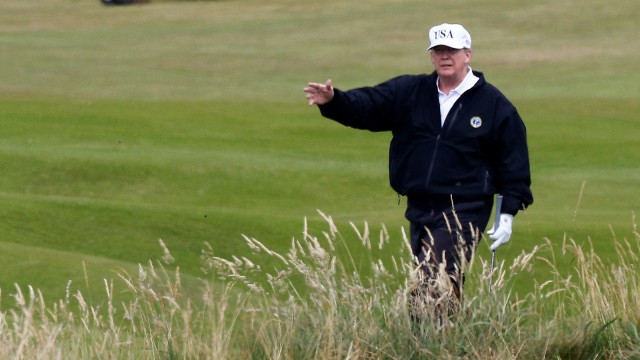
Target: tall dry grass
{"x": 322, "y": 301}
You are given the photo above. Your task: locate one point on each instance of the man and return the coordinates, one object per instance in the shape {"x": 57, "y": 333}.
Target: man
{"x": 456, "y": 142}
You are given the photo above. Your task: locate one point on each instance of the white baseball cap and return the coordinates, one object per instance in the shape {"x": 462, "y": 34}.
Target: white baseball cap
{"x": 451, "y": 35}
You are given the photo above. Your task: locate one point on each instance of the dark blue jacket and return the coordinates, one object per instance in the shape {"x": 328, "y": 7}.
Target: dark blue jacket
{"x": 481, "y": 150}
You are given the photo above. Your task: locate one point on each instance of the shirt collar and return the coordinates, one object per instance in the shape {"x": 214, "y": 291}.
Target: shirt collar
{"x": 467, "y": 83}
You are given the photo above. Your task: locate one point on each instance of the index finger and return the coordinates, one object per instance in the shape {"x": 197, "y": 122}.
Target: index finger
{"x": 316, "y": 85}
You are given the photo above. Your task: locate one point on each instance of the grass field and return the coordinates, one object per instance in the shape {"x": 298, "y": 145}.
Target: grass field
{"x": 185, "y": 121}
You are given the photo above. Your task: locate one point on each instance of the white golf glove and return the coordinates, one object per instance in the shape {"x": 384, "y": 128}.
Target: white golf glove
{"x": 502, "y": 234}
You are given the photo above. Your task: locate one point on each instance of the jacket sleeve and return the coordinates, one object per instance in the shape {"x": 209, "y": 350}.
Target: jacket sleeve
{"x": 512, "y": 168}
{"x": 367, "y": 108}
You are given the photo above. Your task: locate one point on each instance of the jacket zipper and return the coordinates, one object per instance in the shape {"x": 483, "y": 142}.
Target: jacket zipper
{"x": 433, "y": 159}
{"x": 437, "y": 144}
{"x": 454, "y": 117}
{"x": 486, "y": 181}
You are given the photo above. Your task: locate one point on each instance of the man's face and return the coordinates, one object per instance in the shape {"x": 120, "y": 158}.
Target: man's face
{"x": 450, "y": 63}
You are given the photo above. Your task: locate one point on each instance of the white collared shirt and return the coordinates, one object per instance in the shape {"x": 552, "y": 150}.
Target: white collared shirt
{"x": 447, "y": 101}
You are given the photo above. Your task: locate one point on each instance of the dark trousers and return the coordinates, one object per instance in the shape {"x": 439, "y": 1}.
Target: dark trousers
{"x": 446, "y": 231}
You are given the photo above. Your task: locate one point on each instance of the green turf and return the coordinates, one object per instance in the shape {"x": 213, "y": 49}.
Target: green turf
{"x": 186, "y": 121}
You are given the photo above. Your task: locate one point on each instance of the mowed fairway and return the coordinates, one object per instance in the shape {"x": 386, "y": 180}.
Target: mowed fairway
{"x": 186, "y": 122}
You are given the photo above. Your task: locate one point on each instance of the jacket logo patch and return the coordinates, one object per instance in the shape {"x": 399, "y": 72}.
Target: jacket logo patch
{"x": 475, "y": 122}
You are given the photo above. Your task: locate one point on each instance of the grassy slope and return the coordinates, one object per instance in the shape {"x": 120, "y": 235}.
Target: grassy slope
{"x": 186, "y": 122}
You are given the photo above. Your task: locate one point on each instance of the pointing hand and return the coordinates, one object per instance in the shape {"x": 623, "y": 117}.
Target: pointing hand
{"x": 319, "y": 94}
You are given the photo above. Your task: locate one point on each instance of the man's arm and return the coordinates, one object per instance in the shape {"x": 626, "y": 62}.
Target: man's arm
{"x": 370, "y": 108}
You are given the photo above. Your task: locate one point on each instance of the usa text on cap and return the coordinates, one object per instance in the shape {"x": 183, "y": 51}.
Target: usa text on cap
{"x": 451, "y": 35}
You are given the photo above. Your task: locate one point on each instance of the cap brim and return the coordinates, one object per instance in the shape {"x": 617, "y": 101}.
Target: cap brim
{"x": 447, "y": 44}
